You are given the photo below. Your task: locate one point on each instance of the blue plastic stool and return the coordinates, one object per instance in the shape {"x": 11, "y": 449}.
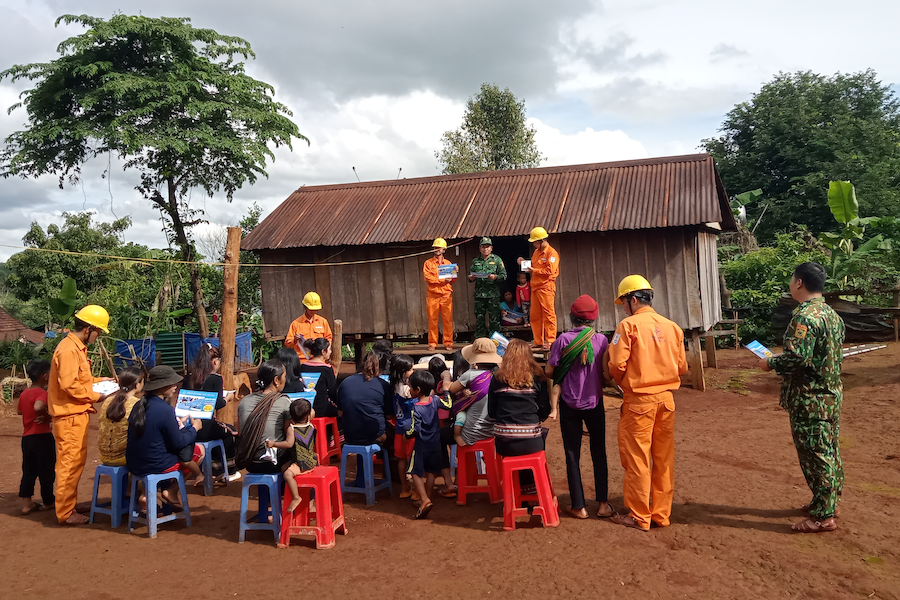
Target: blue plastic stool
{"x": 269, "y": 487}
{"x": 118, "y": 504}
{"x": 153, "y": 520}
{"x": 365, "y": 456}
{"x": 206, "y": 466}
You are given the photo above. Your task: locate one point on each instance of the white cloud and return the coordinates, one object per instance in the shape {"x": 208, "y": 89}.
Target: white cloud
{"x": 584, "y": 147}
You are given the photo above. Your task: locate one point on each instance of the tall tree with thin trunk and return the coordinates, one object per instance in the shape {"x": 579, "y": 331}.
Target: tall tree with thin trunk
{"x": 170, "y": 100}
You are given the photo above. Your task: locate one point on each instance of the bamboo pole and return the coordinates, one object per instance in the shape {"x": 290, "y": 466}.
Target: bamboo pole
{"x": 229, "y": 320}
{"x": 336, "y": 336}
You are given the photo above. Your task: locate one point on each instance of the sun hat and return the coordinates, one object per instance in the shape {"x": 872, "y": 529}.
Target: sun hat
{"x": 160, "y": 377}
{"x": 585, "y": 308}
{"x": 482, "y": 350}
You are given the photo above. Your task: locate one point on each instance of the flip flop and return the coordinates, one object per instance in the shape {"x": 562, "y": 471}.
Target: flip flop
{"x": 627, "y": 521}
{"x": 810, "y": 526}
{"x": 424, "y": 510}
{"x": 34, "y": 507}
{"x": 612, "y": 513}
{"x": 578, "y": 514}
{"x": 446, "y": 494}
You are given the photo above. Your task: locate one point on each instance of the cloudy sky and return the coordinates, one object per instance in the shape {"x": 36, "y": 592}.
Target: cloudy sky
{"x": 375, "y": 84}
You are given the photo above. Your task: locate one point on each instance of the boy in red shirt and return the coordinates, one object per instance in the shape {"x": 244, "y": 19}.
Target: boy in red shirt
{"x": 523, "y": 295}
{"x": 38, "y": 445}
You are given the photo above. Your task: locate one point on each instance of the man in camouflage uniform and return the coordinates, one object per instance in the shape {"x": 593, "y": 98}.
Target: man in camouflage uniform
{"x": 487, "y": 271}
{"x": 812, "y": 392}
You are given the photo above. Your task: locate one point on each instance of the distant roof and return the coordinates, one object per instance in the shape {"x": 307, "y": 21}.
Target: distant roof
{"x": 638, "y": 194}
{"x": 13, "y": 329}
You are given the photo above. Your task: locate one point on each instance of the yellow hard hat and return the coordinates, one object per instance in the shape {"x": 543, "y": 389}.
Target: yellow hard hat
{"x": 312, "y": 301}
{"x": 95, "y": 316}
{"x": 440, "y": 243}
{"x": 538, "y": 233}
{"x": 632, "y": 283}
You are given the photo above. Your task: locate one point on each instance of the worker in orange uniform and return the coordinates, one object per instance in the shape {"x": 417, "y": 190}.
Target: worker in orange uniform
{"x": 646, "y": 358}
{"x": 439, "y": 297}
{"x": 544, "y": 271}
{"x": 308, "y": 326}
{"x": 70, "y": 397}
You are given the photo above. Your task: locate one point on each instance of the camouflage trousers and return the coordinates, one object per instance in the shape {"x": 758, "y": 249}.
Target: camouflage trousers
{"x": 491, "y": 308}
{"x": 818, "y": 448}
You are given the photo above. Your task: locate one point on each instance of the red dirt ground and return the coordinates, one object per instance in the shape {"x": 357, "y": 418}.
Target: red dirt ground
{"x": 737, "y": 488}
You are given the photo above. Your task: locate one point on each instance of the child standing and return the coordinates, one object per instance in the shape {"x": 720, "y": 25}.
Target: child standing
{"x": 425, "y": 462}
{"x": 399, "y": 370}
{"x": 38, "y": 445}
{"x": 300, "y": 434}
{"x": 523, "y": 295}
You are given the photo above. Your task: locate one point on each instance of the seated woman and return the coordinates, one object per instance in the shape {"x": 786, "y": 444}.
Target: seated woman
{"x": 114, "y": 413}
{"x": 517, "y": 403}
{"x": 510, "y": 312}
{"x": 483, "y": 359}
{"x": 365, "y": 399}
{"x": 158, "y": 442}
{"x": 292, "y": 381}
{"x": 319, "y": 351}
{"x": 261, "y": 416}
{"x": 205, "y": 377}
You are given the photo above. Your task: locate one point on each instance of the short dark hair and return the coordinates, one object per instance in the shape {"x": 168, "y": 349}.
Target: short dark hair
{"x": 813, "y": 276}
{"x": 384, "y": 346}
{"x": 37, "y": 369}
{"x": 645, "y": 297}
{"x": 300, "y": 409}
{"x": 79, "y": 325}
{"x": 422, "y": 380}
{"x": 579, "y": 322}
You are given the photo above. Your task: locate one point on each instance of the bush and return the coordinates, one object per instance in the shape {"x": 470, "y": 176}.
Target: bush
{"x": 758, "y": 280}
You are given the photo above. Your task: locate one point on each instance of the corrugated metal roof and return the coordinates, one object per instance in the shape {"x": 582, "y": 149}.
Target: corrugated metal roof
{"x": 640, "y": 194}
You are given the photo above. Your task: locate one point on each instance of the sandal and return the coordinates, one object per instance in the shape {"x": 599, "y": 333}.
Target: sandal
{"x": 448, "y": 493}
{"x": 424, "y": 510}
{"x": 580, "y": 513}
{"x": 810, "y": 526}
{"x": 612, "y": 512}
{"x": 34, "y": 507}
{"x": 627, "y": 521}
{"x": 406, "y": 494}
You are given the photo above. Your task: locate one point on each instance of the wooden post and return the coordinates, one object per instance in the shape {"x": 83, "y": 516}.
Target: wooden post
{"x": 896, "y": 319}
{"x": 695, "y": 361}
{"x": 228, "y": 327}
{"x": 336, "y": 345}
{"x": 710, "y": 341}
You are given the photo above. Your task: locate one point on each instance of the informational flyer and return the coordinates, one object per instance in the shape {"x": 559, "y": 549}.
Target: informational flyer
{"x": 450, "y": 271}
{"x": 502, "y": 342}
{"x": 385, "y": 377}
{"x": 526, "y": 264}
{"x": 758, "y": 349}
{"x": 105, "y": 387}
{"x": 310, "y": 380}
{"x": 479, "y": 275}
{"x": 199, "y": 405}
{"x": 310, "y": 396}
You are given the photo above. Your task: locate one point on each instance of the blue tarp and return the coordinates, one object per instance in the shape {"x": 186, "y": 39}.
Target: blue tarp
{"x": 144, "y": 349}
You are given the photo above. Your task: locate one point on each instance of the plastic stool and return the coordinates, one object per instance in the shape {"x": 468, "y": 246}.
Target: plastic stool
{"x": 322, "y": 484}
{"x": 206, "y": 464}
{"x": 468, "y": 478}
{"x": 325, "y": 449}
{"x": 513, "y": 497}
{"x": 153, "y": 520}
{"x": 118, "y": 504}
{"x": 269, "y": 486}
{"x": 365, "y": 462}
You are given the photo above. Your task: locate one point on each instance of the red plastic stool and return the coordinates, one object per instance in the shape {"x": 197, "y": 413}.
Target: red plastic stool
{"x": 325, "y": 449}
{"x": 324, "y": 482}
{"x": 548, "y": 505}
{"x": 469, "y": 481}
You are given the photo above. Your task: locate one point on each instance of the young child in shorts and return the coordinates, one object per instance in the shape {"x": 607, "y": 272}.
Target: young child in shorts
{"x": 399, "y": 370}
{"x": 38, "y": 445}
{"x": 523, "y": 295}
{"x": 300, "y": 434}
{"x": 425, "y": 462}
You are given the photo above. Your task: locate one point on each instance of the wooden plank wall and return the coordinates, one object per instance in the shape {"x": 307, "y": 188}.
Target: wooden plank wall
{"x": 389, "y": 297}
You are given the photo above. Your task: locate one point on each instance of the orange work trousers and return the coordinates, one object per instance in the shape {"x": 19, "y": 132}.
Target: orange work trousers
{"x": 647, "y": 450}
{"x": 439, "y": 306}
{"x": 543, "y": 314}
{"x": 71, "y": 434}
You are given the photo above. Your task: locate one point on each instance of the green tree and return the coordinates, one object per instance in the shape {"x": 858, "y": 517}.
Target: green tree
{"x": 172, "y": 101}
{"x": 493, "y": 136}
{"x": 801, "y": 131}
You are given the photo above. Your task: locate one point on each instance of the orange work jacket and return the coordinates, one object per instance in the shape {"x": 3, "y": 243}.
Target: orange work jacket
{"x": 544, "y": 267}
{"x": 646, "y": 355}
{"x": 310, "y": 329}
{"x": 437, "y": 287}
{"x": 70, "y": 390}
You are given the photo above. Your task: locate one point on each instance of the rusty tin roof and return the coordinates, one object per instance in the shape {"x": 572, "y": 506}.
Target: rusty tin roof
{"x": 638, "y": 194}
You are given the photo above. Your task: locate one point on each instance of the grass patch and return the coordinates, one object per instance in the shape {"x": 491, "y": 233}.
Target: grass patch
{"x": 874, "y": 560}
{"x": 737, "y": 383}
{"x": 881, "y": 489}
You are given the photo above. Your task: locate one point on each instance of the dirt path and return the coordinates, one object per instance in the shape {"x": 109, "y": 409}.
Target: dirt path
{"x": 737, "y": 488}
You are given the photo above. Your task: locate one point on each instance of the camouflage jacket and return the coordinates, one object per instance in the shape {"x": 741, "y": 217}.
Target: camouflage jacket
{"x": 811, "y": 363}
{"x": 492, "y": 265}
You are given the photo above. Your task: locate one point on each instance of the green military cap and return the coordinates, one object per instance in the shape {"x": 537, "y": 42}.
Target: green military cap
{"x": 485, "y": 241}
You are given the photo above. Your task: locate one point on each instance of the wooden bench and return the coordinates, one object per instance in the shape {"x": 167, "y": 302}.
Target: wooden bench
{"x": 711, "y": 335}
